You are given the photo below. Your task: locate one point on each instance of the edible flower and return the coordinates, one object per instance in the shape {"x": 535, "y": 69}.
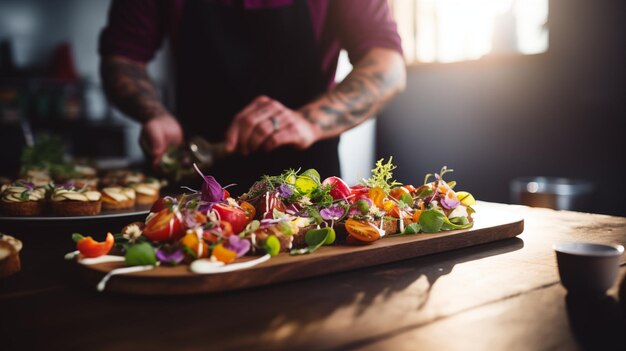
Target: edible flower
{"x": 170, "y": 256}
{"x": 132, "y": 233}
{"x": 449, "y": 200}
{"x": 332, "y": 212}
{"x": 212, "y": 191}
{"x": 240, "y": 246}
{"x": 285, "y": 191}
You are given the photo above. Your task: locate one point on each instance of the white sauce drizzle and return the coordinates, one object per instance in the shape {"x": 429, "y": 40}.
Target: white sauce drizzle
{"x": 200, "y": 246}
{"x": 101, "y": 259}
{"x": 124, "y": 270}
{"x": 401, "y": 221}
{"x": 71, "y": 255}
{"x": 267, "y": 205}
{"x": 206, "y": 266}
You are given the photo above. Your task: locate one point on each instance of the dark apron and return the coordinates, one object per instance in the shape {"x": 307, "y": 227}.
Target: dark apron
{"x": 227, "y": 57}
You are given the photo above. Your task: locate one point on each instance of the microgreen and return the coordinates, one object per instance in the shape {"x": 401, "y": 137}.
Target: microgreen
{"x": 382, "y": 176}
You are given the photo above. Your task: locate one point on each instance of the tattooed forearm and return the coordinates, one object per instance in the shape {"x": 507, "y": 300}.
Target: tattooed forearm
{"x": 129, "y": 88}
{"x": 374, "y": 80}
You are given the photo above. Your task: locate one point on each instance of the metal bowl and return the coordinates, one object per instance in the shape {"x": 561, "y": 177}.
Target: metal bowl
{"x": 555, "y": 193}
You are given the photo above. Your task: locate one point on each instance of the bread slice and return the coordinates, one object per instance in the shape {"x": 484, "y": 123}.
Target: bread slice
{"x": 22, "y": 209}
{"x": 76, "y": 208}
{"x": 9, "y": 255}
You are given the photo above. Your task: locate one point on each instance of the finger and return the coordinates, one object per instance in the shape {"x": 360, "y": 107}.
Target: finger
{"x": 248, "y": 124}
{"x": 232, "y": 133}
{"x": 285, "y": 136}
{"x": 261, "y": 132}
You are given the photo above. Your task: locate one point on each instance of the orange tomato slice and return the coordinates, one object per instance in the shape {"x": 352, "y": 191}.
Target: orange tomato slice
{"x": 377, "y": 195}
{"x": 223, "y": 254}
{"x": 249, "y": 210}
{"x": 396, "y": 193}
{"x": 363, "y": 231}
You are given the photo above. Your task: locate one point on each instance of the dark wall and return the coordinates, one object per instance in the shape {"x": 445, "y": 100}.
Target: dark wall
{"x": 495, "y": 119}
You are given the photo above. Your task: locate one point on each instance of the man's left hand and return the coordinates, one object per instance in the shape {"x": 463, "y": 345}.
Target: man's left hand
{"x": 266, "y": 124}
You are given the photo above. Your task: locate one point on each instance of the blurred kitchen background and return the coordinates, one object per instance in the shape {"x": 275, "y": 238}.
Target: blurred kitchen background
{"x": 497, "y": 90}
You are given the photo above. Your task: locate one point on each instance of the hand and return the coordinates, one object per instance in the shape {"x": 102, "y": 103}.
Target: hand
{"x": 158, "y": 134}
{"x": 266, "y": 124}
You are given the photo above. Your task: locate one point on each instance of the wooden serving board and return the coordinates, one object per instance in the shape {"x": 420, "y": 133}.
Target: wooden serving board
{"x": 491, "y": 224}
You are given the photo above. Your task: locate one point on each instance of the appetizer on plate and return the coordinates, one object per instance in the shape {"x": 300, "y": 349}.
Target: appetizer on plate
{"x": 147, "y": 191}
{"x": 67, "y": 200}
{"x": 10, "y": 249}
{"x": 293, "y": 212}
{"x": 22, "y": 198}
{"x": 118, "y": 198}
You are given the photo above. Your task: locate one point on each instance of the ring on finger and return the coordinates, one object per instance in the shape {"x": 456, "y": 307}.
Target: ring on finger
{"x": 275, "y": 123}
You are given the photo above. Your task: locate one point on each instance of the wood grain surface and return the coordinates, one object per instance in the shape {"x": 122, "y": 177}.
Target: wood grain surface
{"x": 490, "y": 225}
{"x": 503, "y": 295}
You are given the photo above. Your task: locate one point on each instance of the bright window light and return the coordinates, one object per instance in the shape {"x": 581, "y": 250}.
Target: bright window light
{"x": 458, "y": 30}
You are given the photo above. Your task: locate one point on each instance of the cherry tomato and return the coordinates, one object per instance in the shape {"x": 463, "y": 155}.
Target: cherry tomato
{"x": 410, "y": 188}
{"x": 223, "y": 254}
{"x": 226, "y": 194}
{"x": 397, "y": 193}
{"x": 91, "y": 248}
{"x": 249, "y": 210}
{"x": 358, "y": 189}
{"x": 391, "y": 208}
{"x": 363, "y": 231}
{"x": 233, "y": 215}
{"x": 266, "y": 205}
{"x": 197, "y": 246}
{"x": 161, "y": 203}
{"x": 340, "y": 189}
{"x": 377, "y": 195}
{"x": 165, "y": 225}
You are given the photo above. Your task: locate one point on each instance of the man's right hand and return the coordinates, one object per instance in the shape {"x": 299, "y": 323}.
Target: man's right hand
{"x": 158, "y": 134}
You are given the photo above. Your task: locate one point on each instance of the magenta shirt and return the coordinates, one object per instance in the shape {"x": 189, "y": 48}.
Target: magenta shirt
{"x": 136, "y": 28}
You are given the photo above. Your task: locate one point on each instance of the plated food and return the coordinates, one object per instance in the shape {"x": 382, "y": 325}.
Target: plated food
{"x": 10, "y": 248}
{"x": 295, "y": 213}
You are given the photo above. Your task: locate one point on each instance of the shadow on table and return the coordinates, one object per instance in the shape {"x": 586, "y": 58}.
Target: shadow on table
{"x": 596, "y": 322}
{"x": 275, "y": 316}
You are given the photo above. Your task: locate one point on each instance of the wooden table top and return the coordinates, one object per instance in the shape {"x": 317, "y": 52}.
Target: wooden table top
{"x": 504, "y": 295}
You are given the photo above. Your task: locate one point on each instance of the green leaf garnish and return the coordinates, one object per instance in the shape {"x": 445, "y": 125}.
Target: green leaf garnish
{"x": 431, "y": 221}
{"x": 412, "y": 228}
{"x": 315, "y": 238}
{"x": 272, "y": 245}
{"x": 140, "y": 254}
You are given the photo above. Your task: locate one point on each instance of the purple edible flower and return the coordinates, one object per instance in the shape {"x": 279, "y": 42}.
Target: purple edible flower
{"x": 170, "y": 257}
{"x": 449, "y": 201}
{"x": 240, "y": 246}
{"x": 285, "y": 191}
{"x": 332, "y": 213}
{"x": 212, "y": 191}
{"x": 189, "y": 219}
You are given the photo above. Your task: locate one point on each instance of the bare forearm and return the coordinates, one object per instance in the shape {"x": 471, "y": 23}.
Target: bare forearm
{"x": 129, "y": 88}
{"x": 374, "y": 80}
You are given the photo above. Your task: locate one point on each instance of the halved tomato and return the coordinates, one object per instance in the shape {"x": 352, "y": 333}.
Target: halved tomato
{"x": 165, "y": 225}
{"x": 233, "y": 215}
{"x": 267, "y": 204}
{"x": 361, "y": 230}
